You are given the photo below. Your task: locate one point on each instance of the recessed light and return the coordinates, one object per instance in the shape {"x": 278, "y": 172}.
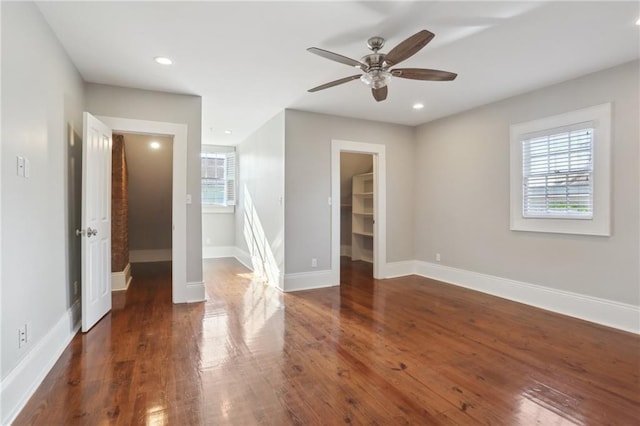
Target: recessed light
{"x": 163, "y": 60}
{"x": 154, "y": 145}
{"x": 227, "y": 132}
{"x": 638, "y": 21}
{"x": 418, "y": 106}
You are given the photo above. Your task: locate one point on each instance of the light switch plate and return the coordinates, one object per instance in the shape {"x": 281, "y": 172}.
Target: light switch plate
{"x": 20, "y": 166}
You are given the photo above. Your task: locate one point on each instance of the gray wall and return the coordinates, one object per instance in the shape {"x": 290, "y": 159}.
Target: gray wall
{"x": 122, "y": 102}
{"x": 462, "y": 193}
{"x": 308, "y": 185}
{"x": 150, "y": 177}
{"x": 261, "y": 184}
{"x": 351, "y": 164}
{"x": 42, "y": 93}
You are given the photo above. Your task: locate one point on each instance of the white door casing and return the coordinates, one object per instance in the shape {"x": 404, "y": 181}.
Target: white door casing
{"x": 181, "y": 291}
{"x": 96, "y": 221}
{"x": 380, "y": 204}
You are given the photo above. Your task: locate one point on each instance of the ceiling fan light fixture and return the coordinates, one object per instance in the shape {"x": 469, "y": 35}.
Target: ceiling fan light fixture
{"x": 376, "y": 79}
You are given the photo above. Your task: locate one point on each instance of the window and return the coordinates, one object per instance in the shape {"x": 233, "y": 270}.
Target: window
{"x": 218, "y": 180}
{"x": 560, "y": 173}
{"x": 557, "y": 173}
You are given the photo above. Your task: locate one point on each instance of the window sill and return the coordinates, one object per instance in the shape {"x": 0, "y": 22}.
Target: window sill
{"x": 597, "y": 226}
{"x": 218, "y": 209}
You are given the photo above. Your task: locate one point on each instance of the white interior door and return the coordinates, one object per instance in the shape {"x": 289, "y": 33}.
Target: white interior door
{"x": 96, "y": 221}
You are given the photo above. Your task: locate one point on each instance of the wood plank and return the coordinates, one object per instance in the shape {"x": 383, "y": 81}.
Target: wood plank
{"x": 400, "y": 351}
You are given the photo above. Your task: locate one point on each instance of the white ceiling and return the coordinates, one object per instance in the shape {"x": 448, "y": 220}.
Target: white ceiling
{"x": 248, "y": 60}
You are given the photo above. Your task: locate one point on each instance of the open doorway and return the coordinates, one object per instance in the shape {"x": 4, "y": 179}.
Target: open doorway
{"x": 74, "y": 212}
{"x": 181, "y": 290}
{"x": 370, "y": 222}
{"x": 141, "y": 203}
{"x": 357, "y": 196}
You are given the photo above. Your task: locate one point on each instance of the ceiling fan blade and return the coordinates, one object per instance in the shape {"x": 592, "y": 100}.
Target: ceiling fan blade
{"x": 335, "y": 83}
{"x": 423, "y": 74}
{"x": 336, "y": 57}
{"x": 380, "y": 94}
{"x": 409, "y": 47}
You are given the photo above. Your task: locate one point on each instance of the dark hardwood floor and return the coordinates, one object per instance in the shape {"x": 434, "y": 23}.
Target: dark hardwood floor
{"x": 400, "y": 351}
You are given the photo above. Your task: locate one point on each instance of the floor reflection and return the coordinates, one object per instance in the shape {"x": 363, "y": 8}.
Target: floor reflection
{"x": 400, "y": 351}
{"x": 544, "y": 405}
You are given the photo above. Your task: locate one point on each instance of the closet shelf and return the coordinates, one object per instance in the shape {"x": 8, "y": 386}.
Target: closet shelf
{"x": 362, "y": 217}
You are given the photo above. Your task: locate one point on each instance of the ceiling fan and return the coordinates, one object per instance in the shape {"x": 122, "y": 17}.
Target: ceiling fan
{"x": 376, "y": 66}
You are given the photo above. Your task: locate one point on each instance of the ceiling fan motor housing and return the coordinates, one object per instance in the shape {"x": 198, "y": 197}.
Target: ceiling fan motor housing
{"x": 375, "y": 43}
{"x": 374, "y": 61}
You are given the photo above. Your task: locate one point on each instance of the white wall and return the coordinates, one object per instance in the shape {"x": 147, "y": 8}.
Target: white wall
{"x": 308, "y": 185}
{"x": 42, "y": 93}
{"x": 261, "y": 190}
{"x": 462, "y": 201}
{"x": 122, "y": 102}
{"x": 218, "y": 228}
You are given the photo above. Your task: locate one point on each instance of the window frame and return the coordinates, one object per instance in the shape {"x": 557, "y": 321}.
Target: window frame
{"x": 600, "y": 223}
{"x": 224, "y": 152}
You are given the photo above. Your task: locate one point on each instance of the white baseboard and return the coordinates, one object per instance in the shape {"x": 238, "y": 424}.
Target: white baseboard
{"x": 399, "y": 269}
{"x": 25, "y": 378}
{"x": 601, "y": 311}
{"x": 244, "y": 258}
{"x": 309, "y": 280}
{"x": 141, "y": 256}
{"x": 195, "y": 292}
{"x": 211, "y": 252}
{"x": 121, "y": 280}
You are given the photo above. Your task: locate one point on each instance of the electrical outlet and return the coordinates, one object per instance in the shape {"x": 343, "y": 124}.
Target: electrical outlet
{"x": 437, "y": 257}
{"x": 314, "y": 263}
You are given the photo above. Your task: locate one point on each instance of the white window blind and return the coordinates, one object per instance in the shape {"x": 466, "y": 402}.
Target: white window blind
{"x": 230, "y": 179}
{"x": 557, "y": 172}
{"x": 218, "y": 178}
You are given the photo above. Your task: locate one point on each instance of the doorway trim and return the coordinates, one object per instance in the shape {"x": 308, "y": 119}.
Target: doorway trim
{"x": 380, "y": 203}
{"x": 179, "y": 287}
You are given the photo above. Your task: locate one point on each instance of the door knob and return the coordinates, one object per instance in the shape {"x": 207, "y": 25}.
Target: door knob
{"x": 90, "y": 232}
